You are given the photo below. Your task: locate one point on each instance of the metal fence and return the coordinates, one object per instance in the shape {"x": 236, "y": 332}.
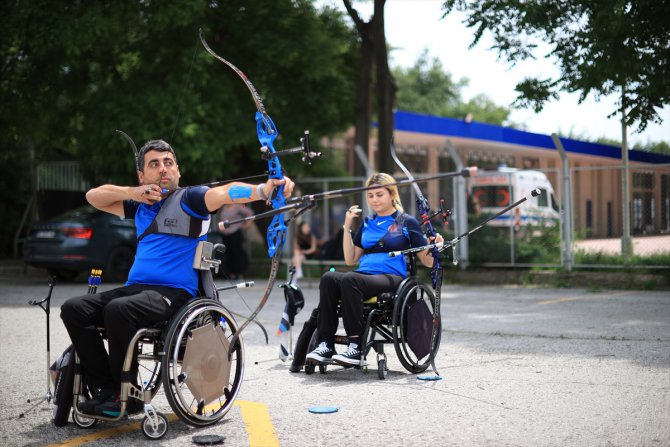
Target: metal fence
{"x": 595, "y": 217}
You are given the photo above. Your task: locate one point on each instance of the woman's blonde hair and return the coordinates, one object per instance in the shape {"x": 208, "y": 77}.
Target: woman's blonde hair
{"x": 387, "y": 181}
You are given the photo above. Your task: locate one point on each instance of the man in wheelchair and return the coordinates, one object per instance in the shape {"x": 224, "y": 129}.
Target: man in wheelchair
{"x": 388, "y": 229}
{"x": 170, "y": 222}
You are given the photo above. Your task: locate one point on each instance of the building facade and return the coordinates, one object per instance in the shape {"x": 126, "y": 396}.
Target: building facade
{"x": 596, "y": 170}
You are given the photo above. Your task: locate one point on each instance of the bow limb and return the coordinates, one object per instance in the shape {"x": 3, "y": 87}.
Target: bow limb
{"x": 276, "y": 233}
{"x": 254, "y": 93}
{"x": 436, "y": 270}
{"x": 274, "y": 268}
{"x": 408, "y": 174}
{"x": 424, "y": 211}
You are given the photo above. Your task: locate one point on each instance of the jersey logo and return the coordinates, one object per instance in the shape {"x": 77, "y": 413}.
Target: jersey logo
{"x": 168, "y": 222}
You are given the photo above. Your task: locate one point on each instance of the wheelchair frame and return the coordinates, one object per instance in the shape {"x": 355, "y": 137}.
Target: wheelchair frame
{"x": 201, "y": 382}
{"x": 186, "y": 369}
{"x": 386, "y": 322}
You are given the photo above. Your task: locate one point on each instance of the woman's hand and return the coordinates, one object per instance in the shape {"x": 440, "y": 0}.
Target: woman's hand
{"x": 352, "y": 213}
{"x": 425, "y": 257}
{"x": 436, "y": 239}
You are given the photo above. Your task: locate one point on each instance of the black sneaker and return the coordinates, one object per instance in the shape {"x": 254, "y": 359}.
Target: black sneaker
{"x": 112, "y": 407}
{"x": 322, "y": 354}
{"x": 351, "y": 357}
{"x": 104, "y": 394}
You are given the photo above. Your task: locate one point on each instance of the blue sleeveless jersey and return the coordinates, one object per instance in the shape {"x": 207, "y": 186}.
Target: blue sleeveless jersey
{"x": 376, "y": 227}
{"x": 165, "y": 259}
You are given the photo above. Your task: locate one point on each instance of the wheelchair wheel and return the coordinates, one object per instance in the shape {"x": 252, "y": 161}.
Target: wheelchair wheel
{"x": 382, "y": 369}
{"x": 149, "y": 365}
{"x": 412, "y": 293}
{"x": 83, "y": 422}
{"x": 310, "y": 367}
{"x": 157, "y": 431}
{"x": 63, "y": 393}
{"x": 202, "y": 373}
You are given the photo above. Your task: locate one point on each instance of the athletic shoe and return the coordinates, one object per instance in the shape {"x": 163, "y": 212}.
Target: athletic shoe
{"x": 351, "y": 357}
{"x": 112, "y": 407}
{"x": 322, "y": 354}
{"x": 103, "y": 395}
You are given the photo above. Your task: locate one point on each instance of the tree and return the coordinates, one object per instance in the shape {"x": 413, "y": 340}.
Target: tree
{"x": 374, "y": 54}
{"x": 601, "y": 46}
{"x": 426, "y": 88}
{"x": 73, "y": 72}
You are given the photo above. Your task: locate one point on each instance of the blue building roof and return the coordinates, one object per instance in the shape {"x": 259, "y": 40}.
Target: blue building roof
{"x": 416, "y": 122}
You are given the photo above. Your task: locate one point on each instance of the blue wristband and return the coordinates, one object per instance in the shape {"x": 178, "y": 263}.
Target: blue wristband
{"x": 239, "y": 192}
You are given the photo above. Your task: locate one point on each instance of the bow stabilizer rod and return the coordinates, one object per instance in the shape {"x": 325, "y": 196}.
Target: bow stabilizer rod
{"x": 447, "y": 244}
{"x": 308, "y": 200}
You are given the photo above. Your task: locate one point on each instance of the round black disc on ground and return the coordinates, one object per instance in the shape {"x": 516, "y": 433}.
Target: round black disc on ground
{"x": 208, "y": 439}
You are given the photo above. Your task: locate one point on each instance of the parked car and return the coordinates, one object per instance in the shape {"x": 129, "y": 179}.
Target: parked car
{"x": 82, "y": 239}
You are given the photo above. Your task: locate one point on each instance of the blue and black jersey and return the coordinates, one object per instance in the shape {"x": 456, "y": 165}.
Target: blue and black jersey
{"x": 379, "y": 235}
{"x": 166, "y": 248}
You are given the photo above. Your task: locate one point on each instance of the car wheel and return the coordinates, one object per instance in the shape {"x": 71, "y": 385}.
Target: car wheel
{"x": 63, "y": 275}
{"x": 118, "y": 264}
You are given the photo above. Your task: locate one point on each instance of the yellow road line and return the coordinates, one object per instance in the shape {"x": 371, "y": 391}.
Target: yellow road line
{"x": 109, "y": 433}
{"x": 579, "y": 297}
{"x": 258, "y": 423}
{"x": 255, "y": 416}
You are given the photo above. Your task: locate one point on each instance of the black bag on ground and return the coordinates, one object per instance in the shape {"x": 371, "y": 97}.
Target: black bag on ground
{"x": 302, "y": 344}
{"x": 419, "y": 328}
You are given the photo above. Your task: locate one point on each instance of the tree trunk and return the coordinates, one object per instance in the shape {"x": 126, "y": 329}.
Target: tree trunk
{"x": 386, "y": 90}
{"x": 364, "y": 95}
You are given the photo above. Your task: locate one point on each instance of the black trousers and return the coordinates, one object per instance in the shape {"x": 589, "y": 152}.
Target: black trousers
{"x": 237, "y": 260}
{"x": 352, "y": 289}
{"x": 122, "y": 312}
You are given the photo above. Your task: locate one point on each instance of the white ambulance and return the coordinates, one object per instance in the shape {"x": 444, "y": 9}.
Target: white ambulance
{"x": 492, "y": 191}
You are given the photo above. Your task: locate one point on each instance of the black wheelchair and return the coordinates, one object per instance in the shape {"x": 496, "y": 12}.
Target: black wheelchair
{"x": 404, "y": 318}
{"x": 190, "y": 356}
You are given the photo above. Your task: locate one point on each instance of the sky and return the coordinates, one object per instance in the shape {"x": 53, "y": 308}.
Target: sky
{"x": 415, "y": 25}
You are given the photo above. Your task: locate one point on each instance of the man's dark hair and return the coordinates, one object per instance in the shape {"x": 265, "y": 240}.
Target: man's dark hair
{"x": 153, "y": 145}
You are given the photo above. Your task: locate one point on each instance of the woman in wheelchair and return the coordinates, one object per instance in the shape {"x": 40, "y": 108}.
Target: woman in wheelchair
{"x": 388, "y": 229}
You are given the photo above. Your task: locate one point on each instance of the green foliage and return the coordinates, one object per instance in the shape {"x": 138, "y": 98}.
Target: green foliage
{"x": 73, "y": 72}
{"x": 532, "y": 244}
{"x": 581, "y": 257}
{"x": 427, "y": 88}
{"x": 599, "y": 46}
{"x": 660, "y": 147}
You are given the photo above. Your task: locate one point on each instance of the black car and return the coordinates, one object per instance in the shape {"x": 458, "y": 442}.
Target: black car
{"x": 82, "y": 239}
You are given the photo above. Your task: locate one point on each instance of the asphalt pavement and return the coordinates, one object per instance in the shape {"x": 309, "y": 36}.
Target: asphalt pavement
{"x": 519, "y": 367}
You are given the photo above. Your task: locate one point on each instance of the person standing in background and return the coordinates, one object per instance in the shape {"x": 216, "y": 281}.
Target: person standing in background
{"x": 236, "y": 258}
{"x": 304, "y": 247}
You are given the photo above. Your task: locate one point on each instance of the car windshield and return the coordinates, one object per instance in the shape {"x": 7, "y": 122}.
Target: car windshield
{"x": 77, "y": 213}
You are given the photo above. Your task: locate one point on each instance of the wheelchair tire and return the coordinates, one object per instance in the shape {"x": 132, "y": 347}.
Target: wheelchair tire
{"x": 310, "y": 367}
{"x": 157, "y": 432}
{"x": 182, "y": 399}
{"x": 411, "y": 293}
{"x": 83, "y": 422}
{"x": 149, "y": 375}
{"x": 63, "y": 394}
{"x": 382, "y": 369}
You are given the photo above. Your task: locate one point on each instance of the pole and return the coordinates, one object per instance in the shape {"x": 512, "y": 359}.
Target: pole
{"x": 460, "y": 203}
{"x": 567, "y": 202}
{"x": 626, "y": 245}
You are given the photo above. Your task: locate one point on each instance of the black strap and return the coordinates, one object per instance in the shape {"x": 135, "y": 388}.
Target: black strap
{"x": 380, "y": 246}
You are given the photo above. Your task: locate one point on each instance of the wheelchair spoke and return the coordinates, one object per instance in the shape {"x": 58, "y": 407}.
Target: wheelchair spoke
{"x": 203, "y": 333}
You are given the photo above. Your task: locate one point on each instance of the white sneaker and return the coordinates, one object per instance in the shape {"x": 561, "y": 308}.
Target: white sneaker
{"x": 322, "y": 354}
{"x": 351, "y": 357}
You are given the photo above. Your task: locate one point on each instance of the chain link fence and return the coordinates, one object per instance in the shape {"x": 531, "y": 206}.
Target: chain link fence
{"x": 533, "y": 235}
